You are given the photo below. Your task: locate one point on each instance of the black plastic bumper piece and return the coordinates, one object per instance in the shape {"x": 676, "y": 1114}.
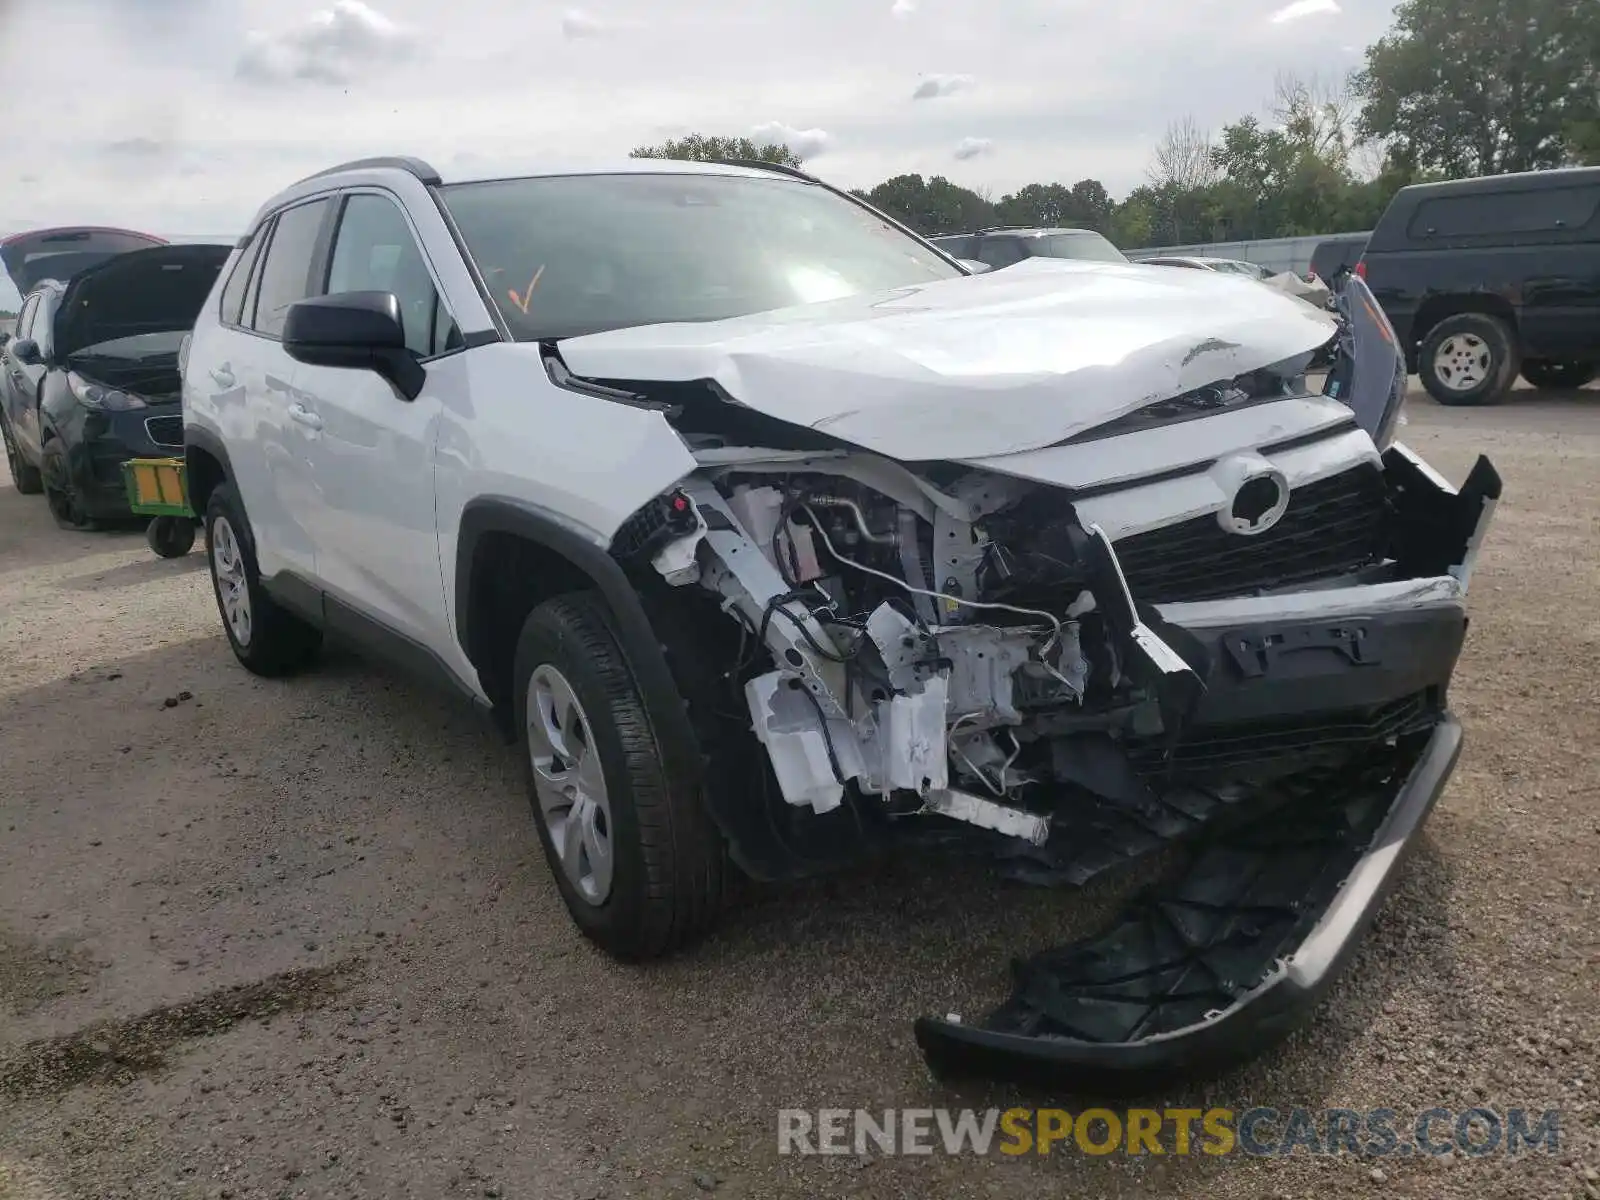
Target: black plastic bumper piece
{"x": 1209, "y": 968}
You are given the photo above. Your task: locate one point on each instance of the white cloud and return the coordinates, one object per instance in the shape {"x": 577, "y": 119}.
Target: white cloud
{"x": 973, "y": 147}
{"x": 575, "y": 23}
{"x": 806, "y": 143}
{"x": 903, "y": 8}
{"x": 1304, "y": 8}
{"x": 331, "y": 47}
{"x": 941, "y": 85}
{"x": 498, "y": 82}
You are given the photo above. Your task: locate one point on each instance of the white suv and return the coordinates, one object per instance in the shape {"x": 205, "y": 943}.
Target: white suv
{"x": 774, "y": 538}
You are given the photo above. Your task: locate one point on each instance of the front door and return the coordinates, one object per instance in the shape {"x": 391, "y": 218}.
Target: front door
{"x": 372, "y": 454}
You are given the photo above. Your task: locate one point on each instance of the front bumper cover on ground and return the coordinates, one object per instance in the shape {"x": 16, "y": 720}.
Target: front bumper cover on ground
{"x": 1232, "y": 953}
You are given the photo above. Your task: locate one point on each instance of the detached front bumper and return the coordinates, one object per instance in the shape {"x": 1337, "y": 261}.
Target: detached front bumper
{"x": 1207, "y": 970}
{"x": 1303, "y": 772}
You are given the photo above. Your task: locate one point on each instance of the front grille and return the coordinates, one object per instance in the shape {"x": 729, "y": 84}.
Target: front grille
{"x": 1226, "y": 750}
{"x": 165, "y": 431}
{"x": 1331, "y": 527}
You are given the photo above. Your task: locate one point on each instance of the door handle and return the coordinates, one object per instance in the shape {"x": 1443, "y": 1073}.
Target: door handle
{"x": 302, "y": 415}
{"x": 223, "y": 376}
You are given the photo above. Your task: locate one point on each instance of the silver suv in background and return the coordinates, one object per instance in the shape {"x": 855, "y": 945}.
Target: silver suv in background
{"x": 1007, "y": 245}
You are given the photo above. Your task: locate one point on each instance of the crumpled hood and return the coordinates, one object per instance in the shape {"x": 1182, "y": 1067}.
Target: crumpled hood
{"x": 978, "y": 366}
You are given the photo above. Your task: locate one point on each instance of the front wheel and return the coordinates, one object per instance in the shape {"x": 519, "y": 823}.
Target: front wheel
{"x": 1468, "y": 359}
{"x": 1545, "y": 373}
{"x": 266, "y": 638}
{"x": 61, "y": 491}
{"x": 634, "y": 852}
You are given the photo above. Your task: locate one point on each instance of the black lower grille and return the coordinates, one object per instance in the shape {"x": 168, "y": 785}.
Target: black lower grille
{"x": 165, "y": 431}
{"x": 1226, "y": 750}
{"x": 1331, "y": 527}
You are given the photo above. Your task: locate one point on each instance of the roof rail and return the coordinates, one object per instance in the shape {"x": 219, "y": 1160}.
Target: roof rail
{"x": 761, "y": 164}
{"x": 413, "y": 166}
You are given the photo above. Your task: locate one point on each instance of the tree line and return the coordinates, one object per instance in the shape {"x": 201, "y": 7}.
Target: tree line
{"x": 1455, "y": 88}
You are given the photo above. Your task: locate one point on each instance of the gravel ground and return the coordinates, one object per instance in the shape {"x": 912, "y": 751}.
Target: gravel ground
{"x": 296, "y": 939}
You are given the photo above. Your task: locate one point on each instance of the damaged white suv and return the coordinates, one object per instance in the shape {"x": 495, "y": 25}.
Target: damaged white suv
{"x": 775, "y": 539}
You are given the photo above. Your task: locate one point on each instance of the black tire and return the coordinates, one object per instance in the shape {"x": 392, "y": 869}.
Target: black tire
{"x": 272, "y": 641}
{"x": 1450, "y": 347}
{"x": 170, "y": 537}
{"x": 24, "y": 476}
{"x": 1545, "y": 373}
{"x": 61, "y": 493}
{"x": 667, "y": 857}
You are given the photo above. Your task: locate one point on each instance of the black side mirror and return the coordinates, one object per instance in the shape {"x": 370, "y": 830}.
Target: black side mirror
{"x": 359, "y": 330}
{"x": 27, "y": 352}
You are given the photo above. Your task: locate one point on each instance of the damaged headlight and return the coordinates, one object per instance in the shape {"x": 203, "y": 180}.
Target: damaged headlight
{"x": 1369, "y": 371}
{"x": 101, "y": 398}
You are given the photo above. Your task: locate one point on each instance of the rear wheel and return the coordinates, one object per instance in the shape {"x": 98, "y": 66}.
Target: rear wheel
{"x": 266, "y": 638}
{"x": 1470, "y": 358}
{"x": 24, "y": 475}
{"x": 1558, "y": 376}
{"x": 61, "y": 492}
{"x": 632, "y": 848}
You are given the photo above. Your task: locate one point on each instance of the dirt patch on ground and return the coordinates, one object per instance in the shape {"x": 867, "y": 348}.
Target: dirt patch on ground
{"x": 116, "y": 1051}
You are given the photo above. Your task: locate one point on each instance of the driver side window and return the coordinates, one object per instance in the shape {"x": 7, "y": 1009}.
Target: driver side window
{"x": 374, "y": 251}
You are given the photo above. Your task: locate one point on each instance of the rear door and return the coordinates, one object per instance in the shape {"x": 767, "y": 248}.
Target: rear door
{"x": 372, "y": 452}
{"x": 239, "y": 376}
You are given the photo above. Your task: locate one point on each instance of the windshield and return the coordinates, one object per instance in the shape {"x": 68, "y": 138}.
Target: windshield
{"x": 1090, "y": 247}
{"x": 574, "y": 254}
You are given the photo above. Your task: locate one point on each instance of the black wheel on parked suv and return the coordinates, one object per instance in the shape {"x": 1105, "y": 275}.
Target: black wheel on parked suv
{"x": 635, "y": 854}
{"x": 266, "y": 638}
{"x": 1559, "y": 376}
{"x": 1470, "y": 358}
{"x": 25, "y": 477}
{"x": 61, "y": 492}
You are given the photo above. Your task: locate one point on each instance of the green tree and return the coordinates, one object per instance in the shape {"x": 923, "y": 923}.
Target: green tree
{"x": 932, "y": 206}
{"x": 1479, "y": 87}
{"x": 1583, "y": 142}
{"x": 700, "y": 147}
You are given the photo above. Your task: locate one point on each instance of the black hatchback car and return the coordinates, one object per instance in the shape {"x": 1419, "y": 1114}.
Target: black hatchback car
{"x": 91, "y": 377}
{"x": 1486, "y": 278}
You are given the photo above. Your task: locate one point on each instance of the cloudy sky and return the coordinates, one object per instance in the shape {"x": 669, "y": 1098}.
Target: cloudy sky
{"x": 180, "y": 116}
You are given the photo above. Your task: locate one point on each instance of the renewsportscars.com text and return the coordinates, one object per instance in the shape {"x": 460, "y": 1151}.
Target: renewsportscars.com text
{"x": 1375, "y": 1132}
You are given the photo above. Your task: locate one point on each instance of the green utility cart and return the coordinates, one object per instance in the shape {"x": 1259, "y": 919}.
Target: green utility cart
{"x": 159, "y": 489}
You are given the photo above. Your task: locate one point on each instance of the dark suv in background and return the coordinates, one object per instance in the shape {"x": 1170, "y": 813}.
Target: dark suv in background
{"x": 1336, "y": 257}
{"x": 1483, "y": 278}
{"x": 1004, "y": 246}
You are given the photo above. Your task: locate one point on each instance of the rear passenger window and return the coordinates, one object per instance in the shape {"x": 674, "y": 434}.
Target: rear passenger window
{"x": 375, "y": 251}
{"x": 233, "y": 291}
{"x": 286, "y": 271}
{"x": 1548, "y": 210}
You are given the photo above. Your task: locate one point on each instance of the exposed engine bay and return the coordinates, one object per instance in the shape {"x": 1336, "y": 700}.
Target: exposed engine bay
{"x": 930, "y": 644}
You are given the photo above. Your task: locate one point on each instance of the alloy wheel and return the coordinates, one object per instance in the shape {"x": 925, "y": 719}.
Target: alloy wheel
{"x": 233, "y": 587}
{"x": 570, "y": 784}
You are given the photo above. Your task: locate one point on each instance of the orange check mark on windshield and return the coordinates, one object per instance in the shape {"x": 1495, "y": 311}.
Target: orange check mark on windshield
{"x": 526, "y": 298}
